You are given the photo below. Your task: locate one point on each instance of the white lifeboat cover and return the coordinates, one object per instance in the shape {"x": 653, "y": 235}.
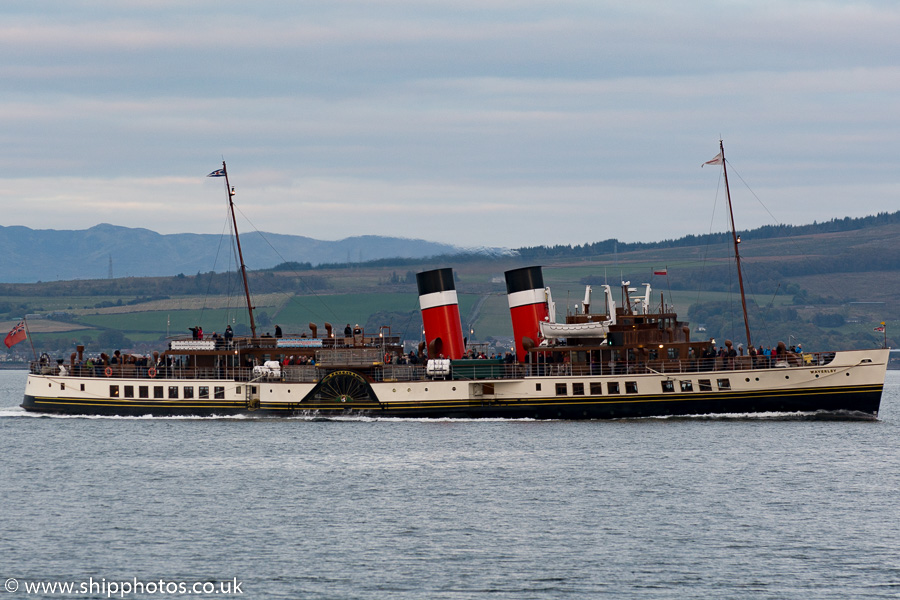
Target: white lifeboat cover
{"x": 561, "y": 330}
{"x": 437, "y": 366}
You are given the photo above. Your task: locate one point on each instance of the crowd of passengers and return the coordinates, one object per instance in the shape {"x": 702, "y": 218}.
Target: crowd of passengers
{"x": 723, "y": 358}
{"x": 139, "y": 366}
{"x": 711, "y": 359}
{"x": 760, "y": 358}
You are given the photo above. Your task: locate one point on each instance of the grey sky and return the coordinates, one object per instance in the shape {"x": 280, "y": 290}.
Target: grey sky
{"x": 492, "y": 122}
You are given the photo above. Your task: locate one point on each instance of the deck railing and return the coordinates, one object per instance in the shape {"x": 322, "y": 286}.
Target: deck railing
{"x": 409, "y": 372}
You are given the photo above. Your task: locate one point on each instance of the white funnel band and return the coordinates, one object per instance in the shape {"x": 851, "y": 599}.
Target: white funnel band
{"x": 436, "y": 299}
{"x": 527, "y": 297}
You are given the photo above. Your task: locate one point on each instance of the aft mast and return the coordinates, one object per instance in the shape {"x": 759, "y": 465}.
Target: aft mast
{"x": 737, "y": 241}
{"x": 230, "y": 191}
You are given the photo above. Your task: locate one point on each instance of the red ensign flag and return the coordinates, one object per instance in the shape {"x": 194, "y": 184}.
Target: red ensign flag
{"x": 16, "y": 335}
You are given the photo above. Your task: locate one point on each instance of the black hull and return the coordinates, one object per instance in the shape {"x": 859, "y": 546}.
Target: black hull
{"x": 859, "y": 402}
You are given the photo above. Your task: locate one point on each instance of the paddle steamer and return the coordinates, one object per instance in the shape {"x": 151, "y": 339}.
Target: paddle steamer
{"x": 631, "y": 359}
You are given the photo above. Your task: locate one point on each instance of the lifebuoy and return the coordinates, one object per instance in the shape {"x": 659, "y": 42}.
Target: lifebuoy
{"x": 151, "y": 372}
{"x": 108, "y": 371}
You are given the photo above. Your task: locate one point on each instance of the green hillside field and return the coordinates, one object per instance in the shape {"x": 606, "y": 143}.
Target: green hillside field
{"x": 827, "y": 290}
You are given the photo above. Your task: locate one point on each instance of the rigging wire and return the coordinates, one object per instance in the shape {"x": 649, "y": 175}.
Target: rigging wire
{"x": 709, "y": 239}
{"x": 797, "y": 250}
{"x": 312, "y": 291}
{"x": 769, "y": 306}
{"x": 412, "y": 314}
{"x": 212, "y": 276}
{"x": 731, "y": 261}
{"x": 233, "y": 287}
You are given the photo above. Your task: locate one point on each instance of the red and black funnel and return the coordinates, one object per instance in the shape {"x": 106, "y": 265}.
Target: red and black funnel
{"x": 527, "y": 307}
{"x": 440, "y": 314}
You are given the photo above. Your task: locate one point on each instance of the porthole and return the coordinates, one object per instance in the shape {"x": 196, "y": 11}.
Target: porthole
{"x": 426, "y": 389}
{"x": 787, "y": 376}
{"x": 454, "y": 388}
{"x": 394, "y": 390}
{"x": 747, "y": 379}
{"x": 757, "y": 378}
{"x": 817, "y": 375}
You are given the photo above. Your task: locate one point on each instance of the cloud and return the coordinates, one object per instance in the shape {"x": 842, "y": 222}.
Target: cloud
{"x": 494, "y": 119}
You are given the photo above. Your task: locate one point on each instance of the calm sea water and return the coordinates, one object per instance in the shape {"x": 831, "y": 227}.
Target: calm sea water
{"x": 656, "y": 508}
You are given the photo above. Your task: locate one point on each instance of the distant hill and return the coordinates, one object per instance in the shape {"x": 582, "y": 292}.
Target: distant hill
{"x": 31, "y": 255}
{"x": 768, "y": 232}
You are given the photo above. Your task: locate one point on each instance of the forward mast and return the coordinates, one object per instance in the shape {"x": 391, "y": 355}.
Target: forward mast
{"x": 230, "y": 192}
{"x": 737, "y": 240}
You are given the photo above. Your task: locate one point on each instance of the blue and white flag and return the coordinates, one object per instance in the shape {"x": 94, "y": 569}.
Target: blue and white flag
{"x": 217, "y": 173}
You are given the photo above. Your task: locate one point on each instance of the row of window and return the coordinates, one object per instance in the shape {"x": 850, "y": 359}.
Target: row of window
{"x": 562, "y": 389}
{"x": 159, "y": 392}
{"x": 631, "y": 387}
{"x": 703, "y": 385}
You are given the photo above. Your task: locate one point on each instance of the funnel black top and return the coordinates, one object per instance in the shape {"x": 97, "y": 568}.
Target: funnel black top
{"x": 439, "y": 280}
{"x": 526, "y": 278}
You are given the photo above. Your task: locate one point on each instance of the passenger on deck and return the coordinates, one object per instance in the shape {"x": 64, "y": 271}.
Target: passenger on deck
{"x": 709, "y": 358}
{"x": 278, "y": 331}
{"x": 229, "y": 335}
